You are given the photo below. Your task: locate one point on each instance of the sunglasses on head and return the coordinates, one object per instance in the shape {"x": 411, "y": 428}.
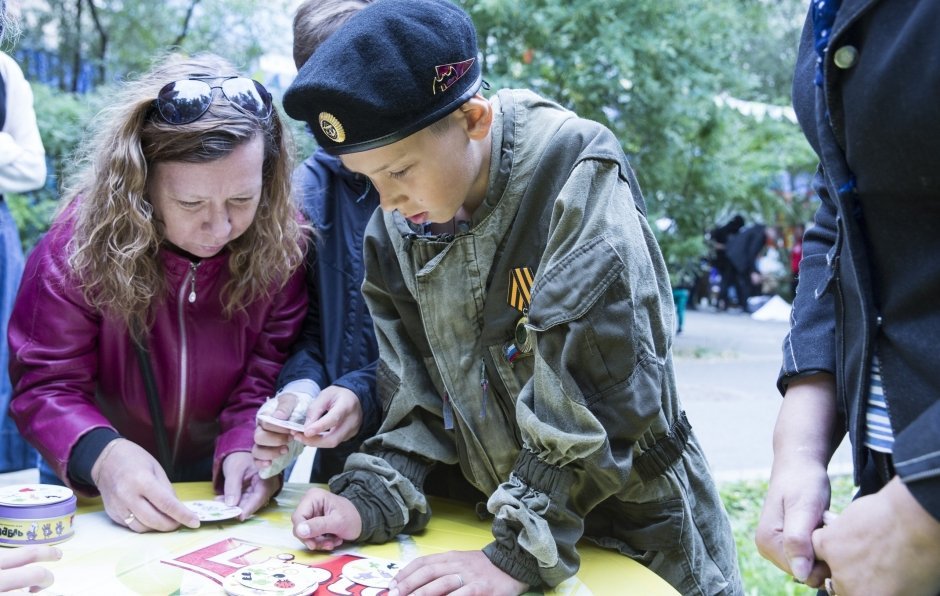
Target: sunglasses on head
{"x": 185, "y": 101}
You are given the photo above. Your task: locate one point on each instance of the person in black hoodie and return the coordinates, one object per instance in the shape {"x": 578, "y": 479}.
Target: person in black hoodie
{"x": 719, "y": 237}
{"x": 743, "y": 249}
{"x": 329, "y": 381}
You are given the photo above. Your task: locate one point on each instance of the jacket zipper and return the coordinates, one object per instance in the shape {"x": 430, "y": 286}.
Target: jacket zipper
{"x": 502, "y": 397}
{"x": 192, "y": 282}
{"x": 485, "y": 386}
{"x": 184, "y": 350}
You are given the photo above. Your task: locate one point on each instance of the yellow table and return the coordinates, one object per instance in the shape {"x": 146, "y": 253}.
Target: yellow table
{"x": 106, "y": 559}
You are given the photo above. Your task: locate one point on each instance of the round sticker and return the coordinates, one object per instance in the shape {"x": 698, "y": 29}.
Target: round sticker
{"x": 210, "y": 511}
{"x": 374, "y": 573}
{"x": 30, "y": 495}
{"x": 277, "y": 576}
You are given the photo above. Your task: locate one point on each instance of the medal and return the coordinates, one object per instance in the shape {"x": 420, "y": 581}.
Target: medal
{"x": 522, "y": 336}
{"x": 520, "y": 293}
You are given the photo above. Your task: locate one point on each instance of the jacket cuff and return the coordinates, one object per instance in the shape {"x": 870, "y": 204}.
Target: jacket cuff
{"x": 413, "y": 469}
{"x": 507, "y": 552}
{"x": 362, "y": 383}
{"x": 545, "y": 478}
{"x": 382, "y": 518}
{"x": 510, "y": 558}
{"x": 927, "y": 493}
{"x": 787, "y": 377}
{"x": 917, "y": 459}
{"x": 86, "y": 452}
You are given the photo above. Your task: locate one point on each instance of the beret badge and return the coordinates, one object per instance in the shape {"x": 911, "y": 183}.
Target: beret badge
{"x": 331, "y": 127}
{"x": 445, "y": 75}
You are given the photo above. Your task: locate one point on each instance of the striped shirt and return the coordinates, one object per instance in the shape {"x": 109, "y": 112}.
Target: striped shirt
{"x": 878, "y": 433}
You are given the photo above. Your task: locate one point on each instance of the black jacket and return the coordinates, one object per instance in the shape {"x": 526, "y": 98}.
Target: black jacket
{"x": 337, "y": 345}
{"x": 870, "y": 275}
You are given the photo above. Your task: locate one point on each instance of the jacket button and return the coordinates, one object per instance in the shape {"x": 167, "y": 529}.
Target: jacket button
{"x": 845, "y": 57}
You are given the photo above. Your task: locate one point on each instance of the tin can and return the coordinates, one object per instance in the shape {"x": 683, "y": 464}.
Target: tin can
{"x": 36, "y": 514}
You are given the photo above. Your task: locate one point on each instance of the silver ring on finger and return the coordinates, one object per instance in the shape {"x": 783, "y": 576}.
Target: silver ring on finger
{"x": 830, "y": 589}
{"x": 129, "y": 519}
{"x": 459, "y": 580}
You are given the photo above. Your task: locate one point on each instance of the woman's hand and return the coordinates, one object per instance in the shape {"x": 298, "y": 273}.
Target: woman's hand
{"x": 243, "y": 486}
{"x": 135, "y": 490}
{"x": 804, "y": 439}
{"x": 884, "y": 543}
{"x": 455, "y": 572}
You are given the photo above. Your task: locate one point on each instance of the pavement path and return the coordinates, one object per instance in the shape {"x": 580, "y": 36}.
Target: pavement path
{"x": 726, "y": 371}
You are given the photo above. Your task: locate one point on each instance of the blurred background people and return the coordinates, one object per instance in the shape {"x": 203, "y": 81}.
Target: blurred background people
{"x": 718, "y": 237}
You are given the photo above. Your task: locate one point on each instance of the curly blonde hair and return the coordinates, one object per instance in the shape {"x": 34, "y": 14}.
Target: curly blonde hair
{"x": 114, "y": 250}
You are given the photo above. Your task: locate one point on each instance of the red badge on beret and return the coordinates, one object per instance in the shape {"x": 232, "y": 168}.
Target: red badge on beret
{"x": 446, "y": 75}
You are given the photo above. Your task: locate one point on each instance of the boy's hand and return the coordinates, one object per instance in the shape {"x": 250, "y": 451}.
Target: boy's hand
{"x": 466, "y": 572}
{"x": 17, "y": 571}
{"x": 322, "y": 520}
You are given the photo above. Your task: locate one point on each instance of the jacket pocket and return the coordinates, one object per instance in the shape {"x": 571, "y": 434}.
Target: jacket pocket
{"x": 569, "y": 288}
{"x": 588, "y": 326}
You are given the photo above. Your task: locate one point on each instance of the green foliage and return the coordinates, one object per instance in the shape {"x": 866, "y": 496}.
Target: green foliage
{"x": 743, "y": 501}
{"x": 117, "y": 37}
{"x": 651, "y": 70}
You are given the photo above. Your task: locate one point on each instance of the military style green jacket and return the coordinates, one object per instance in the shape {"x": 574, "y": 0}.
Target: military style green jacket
{"x": 584, "y": 436}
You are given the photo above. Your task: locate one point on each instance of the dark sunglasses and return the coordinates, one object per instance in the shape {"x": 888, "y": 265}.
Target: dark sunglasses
{"x": 185, "y": 101}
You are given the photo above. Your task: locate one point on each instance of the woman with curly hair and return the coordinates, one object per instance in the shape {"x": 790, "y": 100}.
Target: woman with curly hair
{"x": 155, "y": 314}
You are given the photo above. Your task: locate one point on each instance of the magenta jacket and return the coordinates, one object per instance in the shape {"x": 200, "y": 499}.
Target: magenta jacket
{"x": 74, "y": 370}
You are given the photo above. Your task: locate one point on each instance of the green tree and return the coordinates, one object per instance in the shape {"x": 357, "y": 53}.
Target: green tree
{"x": 117, "y": 37}
{"x": 651, "y": 70}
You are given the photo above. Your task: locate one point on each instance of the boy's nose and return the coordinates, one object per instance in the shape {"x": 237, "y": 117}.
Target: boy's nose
{"x": 391, "y": 203}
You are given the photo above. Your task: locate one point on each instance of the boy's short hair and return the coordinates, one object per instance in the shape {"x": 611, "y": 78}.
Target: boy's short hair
{"x": 394, "y": 68}
{"x": 316, "y": 20}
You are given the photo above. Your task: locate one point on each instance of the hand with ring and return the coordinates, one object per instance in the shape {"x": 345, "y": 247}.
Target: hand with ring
{"x": 135, "y": 490}
{"x": 455, "y": 572}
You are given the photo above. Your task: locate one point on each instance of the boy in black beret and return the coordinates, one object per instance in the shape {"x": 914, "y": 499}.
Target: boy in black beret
{"x": 524, "y": 320}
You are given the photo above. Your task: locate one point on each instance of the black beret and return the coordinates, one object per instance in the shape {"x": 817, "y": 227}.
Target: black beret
{"x": 394, "y": 68}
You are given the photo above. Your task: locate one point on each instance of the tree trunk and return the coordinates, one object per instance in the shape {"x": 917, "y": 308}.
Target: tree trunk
{"x": 102, "y": 42}
{"x": 77, "y": 52}
{"x": 185, "y": 30}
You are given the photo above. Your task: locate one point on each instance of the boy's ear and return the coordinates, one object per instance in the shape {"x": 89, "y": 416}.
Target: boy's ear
{"x": 478, "y": 115}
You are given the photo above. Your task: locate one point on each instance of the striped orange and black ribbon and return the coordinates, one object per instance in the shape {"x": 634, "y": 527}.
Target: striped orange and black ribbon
{"x": 520, "y": 288}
